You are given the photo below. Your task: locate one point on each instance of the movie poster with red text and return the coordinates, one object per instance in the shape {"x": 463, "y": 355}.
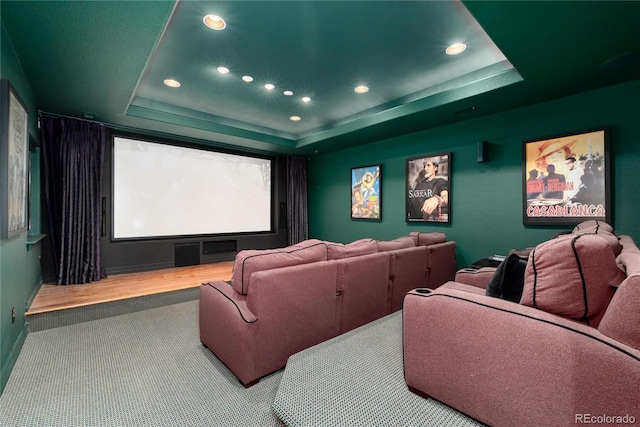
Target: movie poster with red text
{"x": 566, "y": 179}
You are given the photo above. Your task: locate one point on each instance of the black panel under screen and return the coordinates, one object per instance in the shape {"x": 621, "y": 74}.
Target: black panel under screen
{"x": 219, "y": 246}
{"x": 187, "y": 254}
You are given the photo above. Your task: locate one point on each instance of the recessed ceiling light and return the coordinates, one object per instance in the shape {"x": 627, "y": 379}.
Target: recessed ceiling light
{"x": 214, "y": 22}
{"x": 361, "y": 89}
{"x": 456, "y": 48}
{"x": 223, "y": 70}
{"x": 288, "y": 93}
{"x": 295, "y": 118}
{"x": 269, "y": 86}
{"x": 172, "y": 83}
{"x": 306, "y": 99}
{"x": 247, "y": 79}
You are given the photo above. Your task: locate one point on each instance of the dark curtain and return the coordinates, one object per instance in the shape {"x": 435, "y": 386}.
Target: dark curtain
{"x": 72, "y": 161}
{"x": 297, "y": 214}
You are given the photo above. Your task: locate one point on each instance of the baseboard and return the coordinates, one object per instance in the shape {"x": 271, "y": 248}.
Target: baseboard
{"x": 138, "y": 268}
{"x": 12, "y": 358}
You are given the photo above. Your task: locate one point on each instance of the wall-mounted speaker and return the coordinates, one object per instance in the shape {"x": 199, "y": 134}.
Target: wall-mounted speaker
{"x": 482, "y": 152}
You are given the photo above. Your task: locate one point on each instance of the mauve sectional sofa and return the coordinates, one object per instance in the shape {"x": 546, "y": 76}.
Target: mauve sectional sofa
{"x": 567, "y": 354}
{"x": 282, "y": 301}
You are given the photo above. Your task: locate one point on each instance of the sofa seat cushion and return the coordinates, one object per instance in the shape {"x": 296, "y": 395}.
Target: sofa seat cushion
{"x": 602, "y": 230}
{"x": 396, "y": 244}
{"x": 426, "y": 239}
{"x": 356, "y": 248}
{"x": 248, "y": 262}
{"x": 572, "y": 276}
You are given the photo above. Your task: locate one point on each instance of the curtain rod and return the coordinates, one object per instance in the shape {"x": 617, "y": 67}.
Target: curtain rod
{"x": 158, "y": 134}
{"x": 45, "y": 114}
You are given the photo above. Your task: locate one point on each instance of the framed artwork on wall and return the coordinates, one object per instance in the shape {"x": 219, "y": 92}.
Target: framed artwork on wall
{"x": 428, "y": 188}
{"x": 565, "y": 179}
{"x": 14, "y": 152}
{"x": 366, "y": 192}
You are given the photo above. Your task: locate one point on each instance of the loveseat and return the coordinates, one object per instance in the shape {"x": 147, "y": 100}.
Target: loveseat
{"x": 567, "y": 353}
{"x": 281, "y": 301}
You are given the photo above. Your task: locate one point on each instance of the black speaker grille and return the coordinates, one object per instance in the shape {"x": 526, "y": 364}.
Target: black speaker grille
{"x": 187, "y": 254}
{"x": 218, "y": 246}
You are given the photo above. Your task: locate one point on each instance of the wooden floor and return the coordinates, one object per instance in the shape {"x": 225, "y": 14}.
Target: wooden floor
{"x": 52, "y": 297}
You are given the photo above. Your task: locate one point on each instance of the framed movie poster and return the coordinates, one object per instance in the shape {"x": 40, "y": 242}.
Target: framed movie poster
{"x": 14, "y": 151}
{"x": 565, "y": 179}
{"x": 428, "y": 188}
{"x": 366, "y": 196}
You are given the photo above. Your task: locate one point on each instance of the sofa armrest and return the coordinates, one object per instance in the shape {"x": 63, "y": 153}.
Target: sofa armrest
{"x": 621, "y": 321}
{"x": 478, "y": 277}
{"x": 462, "y": 287}
{"x": 226, "y": 290}
{"x": 507, "y": 364}
{"x": 227, "y": 328}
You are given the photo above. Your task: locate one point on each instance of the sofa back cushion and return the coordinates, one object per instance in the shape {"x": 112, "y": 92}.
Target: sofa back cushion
{"x": 248, "y": 262}
{"x": 363, "y": 288}
{"x": 602, "y": 230}
{"x": 426, "y": 239}
{"x": 356, "y": 248}
{"x": 396, "y": 244}
{"x": 572, "y": 276}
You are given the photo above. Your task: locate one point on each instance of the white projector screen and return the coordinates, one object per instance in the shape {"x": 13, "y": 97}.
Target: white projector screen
{"x": 162, "y": 190}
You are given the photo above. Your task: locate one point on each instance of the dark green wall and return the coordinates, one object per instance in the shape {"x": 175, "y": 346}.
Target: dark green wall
{"x": 486, "y": 197}
{"x": 20, "y": 276}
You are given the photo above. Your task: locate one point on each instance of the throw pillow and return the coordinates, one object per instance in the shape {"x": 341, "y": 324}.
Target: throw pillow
{"x": 572, "y": 276}
{"x": 508, "y": 280}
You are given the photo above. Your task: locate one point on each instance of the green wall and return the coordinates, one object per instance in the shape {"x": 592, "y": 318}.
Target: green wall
{"x": 20, "y": 276}
{"x": 486, "y": 197}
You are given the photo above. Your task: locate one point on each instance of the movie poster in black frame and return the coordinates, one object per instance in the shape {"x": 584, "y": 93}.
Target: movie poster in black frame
{"x": 366, "y": 192}
{"x": 566, "y": 178}
{"x": 428, "y": 188}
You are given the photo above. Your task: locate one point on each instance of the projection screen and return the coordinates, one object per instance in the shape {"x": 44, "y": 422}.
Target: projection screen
{"x": 162, "y": 190}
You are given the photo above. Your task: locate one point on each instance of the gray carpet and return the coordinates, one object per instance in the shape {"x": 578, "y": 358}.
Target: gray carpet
{"x": 148, "y": 368}
{"x": 357, "y": 379}
{"x": 142, "y": 369}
